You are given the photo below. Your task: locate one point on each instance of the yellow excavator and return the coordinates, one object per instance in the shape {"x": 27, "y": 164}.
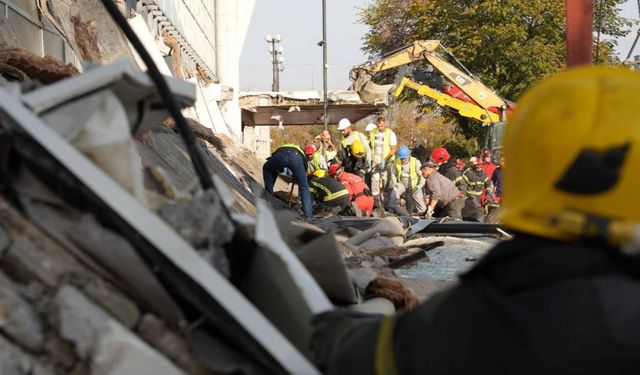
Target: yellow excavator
{"x": 448, "y": 85}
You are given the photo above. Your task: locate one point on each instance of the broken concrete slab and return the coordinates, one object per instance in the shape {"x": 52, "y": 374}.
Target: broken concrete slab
{"x": 100, "y": 339}
{"x": 14, "y": 361}
{"x": 118, "y": 351}
{"x": 155, "y": 332}
{"x": 18, "y": 319}
{"x": 125, "y": 310}
{"x": 388, "y": 227}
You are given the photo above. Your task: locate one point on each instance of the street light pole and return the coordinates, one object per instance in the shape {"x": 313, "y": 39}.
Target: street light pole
{"x": 324, "y": 63}
{"x": 277, "y": 61}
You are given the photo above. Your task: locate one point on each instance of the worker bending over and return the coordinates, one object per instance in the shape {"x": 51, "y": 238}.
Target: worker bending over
{"x": 329, "y": 194}
{"x": 359, "y": 192}
{"x": 410, "y": 182}
{"x": 442, "y": 196}
{"x": 292, "y": 157}
{"x": 562, "y": 297}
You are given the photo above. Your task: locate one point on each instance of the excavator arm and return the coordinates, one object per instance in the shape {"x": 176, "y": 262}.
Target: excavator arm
{"x": 481, "y": 102}
{"x": 464, "y": 108}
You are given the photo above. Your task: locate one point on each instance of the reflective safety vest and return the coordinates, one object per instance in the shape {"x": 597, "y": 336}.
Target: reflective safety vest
{"x": 356, "y": 136}
{"x": 386, "y": 146}
{"x": 316, "y": 161}
{"x": 413, "y": 170}
{"x": 327, "y": 188}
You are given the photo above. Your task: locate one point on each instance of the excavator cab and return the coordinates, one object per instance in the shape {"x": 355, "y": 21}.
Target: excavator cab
{"x": 494, "y": 136}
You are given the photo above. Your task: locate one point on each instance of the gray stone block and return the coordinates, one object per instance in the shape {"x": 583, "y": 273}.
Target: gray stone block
{"x": 155, "y": 332}
{"x": 18, "y": 320}
{"x": 109, "y": 346}
{"x": 14, "y": 361}
{"x": 113, "y": 301}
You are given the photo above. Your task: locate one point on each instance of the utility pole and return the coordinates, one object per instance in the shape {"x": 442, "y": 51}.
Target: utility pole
{"x": 325, "y": 66}
{"x": 277, "y": 61}
{"x": 579, "y": 34}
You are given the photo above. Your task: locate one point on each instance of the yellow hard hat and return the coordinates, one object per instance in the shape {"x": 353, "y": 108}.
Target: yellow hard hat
{"x": 320, "y": 173}
{"x": 357, "y": 149}
{"x": 573, "y": 146}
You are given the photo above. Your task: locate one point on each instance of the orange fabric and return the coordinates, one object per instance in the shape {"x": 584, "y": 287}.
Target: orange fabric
{"x": 365, "y": 203}
{"x": 356, "y": 185}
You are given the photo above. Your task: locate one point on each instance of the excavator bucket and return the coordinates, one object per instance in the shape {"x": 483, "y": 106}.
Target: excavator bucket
{"x": 370, "y": 92}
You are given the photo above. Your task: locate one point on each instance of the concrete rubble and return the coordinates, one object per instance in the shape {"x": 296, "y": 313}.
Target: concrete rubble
{"x": 173, "y": 279}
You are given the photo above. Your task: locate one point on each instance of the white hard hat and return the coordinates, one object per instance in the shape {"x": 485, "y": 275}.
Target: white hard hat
{"x": 370, "y": 126}
{"x": 344, "y": 123}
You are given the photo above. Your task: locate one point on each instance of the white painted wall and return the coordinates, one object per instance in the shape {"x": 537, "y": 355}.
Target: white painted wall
{"x": 232, "y": 23}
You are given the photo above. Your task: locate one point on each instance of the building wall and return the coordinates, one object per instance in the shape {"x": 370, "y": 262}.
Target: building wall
{"x": 232, "y": 23}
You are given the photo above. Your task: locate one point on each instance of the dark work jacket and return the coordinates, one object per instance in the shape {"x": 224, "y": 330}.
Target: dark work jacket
{"x": 497, "y": 181}
{"x": 450, "y": 171}
{"x": 531, "y": 306}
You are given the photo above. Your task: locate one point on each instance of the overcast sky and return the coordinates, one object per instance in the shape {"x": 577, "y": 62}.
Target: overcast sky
{"x": 299, "y": 22}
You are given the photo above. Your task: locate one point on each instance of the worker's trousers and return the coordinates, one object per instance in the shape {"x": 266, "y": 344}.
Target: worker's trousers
{"x": 416, "y": 197}
{"x": 452, "y": 209}
{"x": 288, "y": 158}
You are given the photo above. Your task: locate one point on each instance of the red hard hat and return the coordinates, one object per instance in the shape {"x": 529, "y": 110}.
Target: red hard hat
{"x": 334, "y": 168}
{"x": 309, "y": 149}
{"x": 440, "y": 155}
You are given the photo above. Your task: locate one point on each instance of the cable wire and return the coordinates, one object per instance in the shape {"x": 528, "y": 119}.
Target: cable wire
{"x": 165, "y": 93}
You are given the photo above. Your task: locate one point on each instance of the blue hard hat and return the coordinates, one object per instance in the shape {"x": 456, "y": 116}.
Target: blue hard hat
{"x": 404, "y": 152}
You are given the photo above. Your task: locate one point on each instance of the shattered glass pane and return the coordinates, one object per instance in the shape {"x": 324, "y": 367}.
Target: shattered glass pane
{"x": 446, "y": 263}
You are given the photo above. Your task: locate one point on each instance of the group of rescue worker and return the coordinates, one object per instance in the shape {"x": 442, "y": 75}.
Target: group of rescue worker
{"x": 373, "y": 172}
{"x": 561, "y": 297}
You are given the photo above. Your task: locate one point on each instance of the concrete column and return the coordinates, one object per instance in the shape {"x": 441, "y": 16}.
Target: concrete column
{"x": 232, "y": 22}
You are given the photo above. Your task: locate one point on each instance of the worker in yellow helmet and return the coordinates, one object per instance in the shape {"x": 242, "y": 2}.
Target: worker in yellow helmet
{"x": 355, "y": 161}
{"x": 349, "y": 136}
{"x": 564, "y": 295}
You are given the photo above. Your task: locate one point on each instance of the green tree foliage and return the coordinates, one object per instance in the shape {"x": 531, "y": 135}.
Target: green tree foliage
{"x": 509, "y": 44}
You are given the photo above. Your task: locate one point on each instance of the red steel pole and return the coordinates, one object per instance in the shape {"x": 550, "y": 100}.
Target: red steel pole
{"x": 579, "y": 32}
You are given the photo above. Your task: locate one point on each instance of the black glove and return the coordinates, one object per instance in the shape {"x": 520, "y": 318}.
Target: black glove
{"x": 331, "y": 328}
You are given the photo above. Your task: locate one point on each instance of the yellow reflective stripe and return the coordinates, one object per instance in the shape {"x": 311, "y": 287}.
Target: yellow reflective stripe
{"x": 385, "y": 362}
{"x": 321, "y": 187}
{"x": 316, "y": 160}
{"x": 457, "y": 179}
{"x": 473, "y": 192}
{"x": 337, "y": 194}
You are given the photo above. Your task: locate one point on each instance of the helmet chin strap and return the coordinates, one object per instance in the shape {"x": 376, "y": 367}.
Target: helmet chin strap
{"x": 625, "y": 236}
